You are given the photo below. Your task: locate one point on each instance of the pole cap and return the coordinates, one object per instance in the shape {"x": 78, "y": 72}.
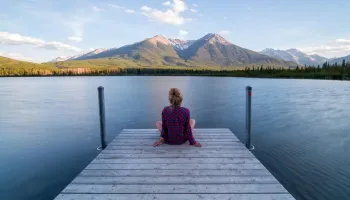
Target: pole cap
{"x": 248, "y": 88}
{"x": 100, "y": 88}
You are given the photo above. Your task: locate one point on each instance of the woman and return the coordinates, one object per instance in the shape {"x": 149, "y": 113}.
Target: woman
{"x": 176, "y": 125}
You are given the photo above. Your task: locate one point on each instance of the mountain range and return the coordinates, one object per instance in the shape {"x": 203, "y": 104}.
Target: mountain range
{"x": 296, "y": 56}
{"x": 210, "y": 50}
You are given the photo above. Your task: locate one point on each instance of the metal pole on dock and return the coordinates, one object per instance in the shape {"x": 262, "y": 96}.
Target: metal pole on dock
{"x": 248, "y": 117}
{"x": 101, "y": 102}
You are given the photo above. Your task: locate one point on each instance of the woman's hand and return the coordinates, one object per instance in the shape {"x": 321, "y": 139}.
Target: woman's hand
{"x": 158, "y": 143}
{"x": 197, "y": 144}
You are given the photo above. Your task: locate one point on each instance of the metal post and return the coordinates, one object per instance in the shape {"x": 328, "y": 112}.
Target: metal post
{"x": 248, "y": 117}
{"x": 101, "y": 101}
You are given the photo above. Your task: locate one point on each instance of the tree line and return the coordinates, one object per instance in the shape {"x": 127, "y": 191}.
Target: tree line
{"x": 325, "y": 71}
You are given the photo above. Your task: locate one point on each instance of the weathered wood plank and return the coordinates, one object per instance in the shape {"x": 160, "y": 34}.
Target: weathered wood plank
{"x": 174, "y": 156}
{"x": 156, "y": 136}
{"x": 175, "y": 147}
{"x": 165, "y": 180}
{"x": 175, "y": 197}
{"x": 180, "y": 151}
{"x": 176, "y": 189}
{"x": 178, "y": 160}
{"x": 152, "y": 140}
{"x": 177, "y": 172}
{"x": 195, "y": 134}
{"x": 192, "y": 166}
{"x": 233, "y": 148}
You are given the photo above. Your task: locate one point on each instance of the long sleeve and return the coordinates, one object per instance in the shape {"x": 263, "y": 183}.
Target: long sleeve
{"x": 164, "y": 127}
{"x": 188, "y": 130}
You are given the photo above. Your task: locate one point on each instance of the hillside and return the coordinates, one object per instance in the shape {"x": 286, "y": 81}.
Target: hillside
{"x": 339, "y": 61}
{"x": 12, "y": 63}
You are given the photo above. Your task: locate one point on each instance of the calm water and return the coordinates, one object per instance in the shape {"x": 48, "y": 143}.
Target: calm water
{"x": 49, "y": 127}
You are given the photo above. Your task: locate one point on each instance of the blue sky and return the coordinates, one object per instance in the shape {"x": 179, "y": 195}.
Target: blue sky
{"x": 40, "y": 30}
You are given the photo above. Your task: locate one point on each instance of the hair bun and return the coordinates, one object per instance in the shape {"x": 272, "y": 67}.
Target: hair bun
{"x": 175, "y": 92}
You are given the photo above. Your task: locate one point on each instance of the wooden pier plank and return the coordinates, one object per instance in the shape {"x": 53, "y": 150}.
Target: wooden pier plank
{"x": 130, "y": 168}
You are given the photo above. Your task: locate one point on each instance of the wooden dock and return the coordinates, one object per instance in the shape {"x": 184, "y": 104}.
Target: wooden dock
{"x": 130, "y": 168}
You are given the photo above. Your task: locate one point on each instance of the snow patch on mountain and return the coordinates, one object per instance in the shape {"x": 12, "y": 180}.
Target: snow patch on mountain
{"x": 179, "y": 44}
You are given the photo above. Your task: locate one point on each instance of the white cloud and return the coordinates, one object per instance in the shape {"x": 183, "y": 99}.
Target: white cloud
{"x": 224, "y": 32}
{"x": 75, "y": 39}
{"x": 183, "y": 33}
{"x": 170, "y": 16}
{"x": 129, "y": 11}
{"x": 126, "y": 10}
{"x": 115, "y": 6}
{"x": 167, "y": 3}
{"x": 335, "y": 48}
{"x": 193, "y": 10}
{"x": 96, "y": 9}
{"x": 16, "y": 56}
{"x": 225, "y": 18}
{"x": 195, "y": 5}
{"x": 146, "y": 8}
{"x": 343, "y": 41}
{"x": 200, "y": 15}
{"x": 17, "y": 39}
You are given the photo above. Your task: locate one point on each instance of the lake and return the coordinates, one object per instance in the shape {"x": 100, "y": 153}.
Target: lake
{"x": 49, "y": 127}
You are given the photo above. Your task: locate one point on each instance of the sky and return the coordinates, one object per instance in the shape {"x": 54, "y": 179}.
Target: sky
{"x": 41, "y": 30}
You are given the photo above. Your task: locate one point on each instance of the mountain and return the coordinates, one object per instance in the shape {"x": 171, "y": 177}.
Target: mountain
{"x": 340, "y": 60}
{"x": 213, "y": 49}
{"x": 81, "y": 56}
{"x": 157, "y": 50}
{"x": 295, "y": 55}
{"x": 210, "y": 50}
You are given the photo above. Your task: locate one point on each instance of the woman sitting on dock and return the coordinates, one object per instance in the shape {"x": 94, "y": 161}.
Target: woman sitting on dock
{"x": 176, "y": 125}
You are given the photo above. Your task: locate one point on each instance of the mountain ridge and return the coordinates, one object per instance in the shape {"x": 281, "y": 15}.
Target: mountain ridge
{"x": 295, "y": 55}
{"x": 209, "y": 50}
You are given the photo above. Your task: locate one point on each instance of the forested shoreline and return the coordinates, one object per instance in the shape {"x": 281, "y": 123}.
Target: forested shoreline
{"x": 326, "y": 71}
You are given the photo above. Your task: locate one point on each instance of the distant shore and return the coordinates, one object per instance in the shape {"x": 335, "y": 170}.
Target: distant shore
{"x": 302, "y": 73}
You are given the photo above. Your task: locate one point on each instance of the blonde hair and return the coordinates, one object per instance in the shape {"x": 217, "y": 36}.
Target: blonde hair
{"x": 175, "y": 97}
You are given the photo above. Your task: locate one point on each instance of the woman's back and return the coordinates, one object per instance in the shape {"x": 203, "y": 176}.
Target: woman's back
{"x": 176, "y": 125}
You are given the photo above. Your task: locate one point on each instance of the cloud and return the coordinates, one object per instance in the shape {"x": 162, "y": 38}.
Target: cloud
{"x": 129, "y": 11}
{"x": 96, "y": 9}
{"x": 193, "y": 10}
{"x": 167, "y": 3}
{"x": 200, "y": 15}
{"x": 195, "y": 5}
{"x": 16, "y": 56}
{"x": 17, "y": 39}
{"x": 338, "y": 47}
{"x": 343, "y": 41}
{"x": 325, "y": 49}
{"x": 126, "y": 10}
{"x": 75, "y": 39}
{"x": 224, "y": 32}
{"x": 146, "y": 8}
{"x": 170, "y": 16}
{"x": 183, "y": 33}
